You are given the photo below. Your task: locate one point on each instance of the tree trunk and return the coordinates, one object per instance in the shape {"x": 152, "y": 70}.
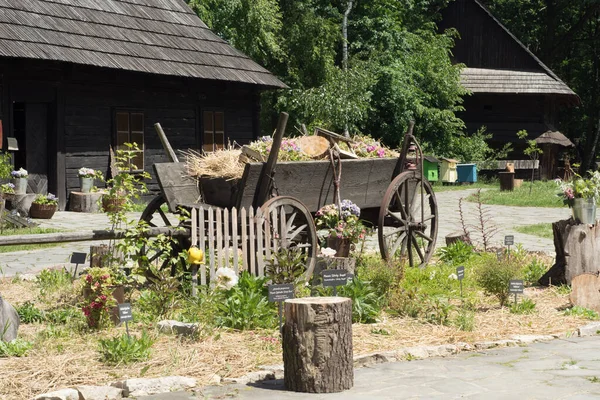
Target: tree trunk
{"x": 577, "y": 249}
{"x": 458, "y": 236}
{"x": 317, "y": 345}
{"x": 84, "y": 202}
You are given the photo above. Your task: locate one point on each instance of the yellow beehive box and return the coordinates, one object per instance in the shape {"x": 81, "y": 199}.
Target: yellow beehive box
{"x": 448, "y": 170}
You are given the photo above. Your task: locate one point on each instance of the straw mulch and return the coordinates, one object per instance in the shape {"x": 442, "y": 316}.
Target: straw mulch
{"x": 219, "y": 164}
{"x": 59, "y": 362}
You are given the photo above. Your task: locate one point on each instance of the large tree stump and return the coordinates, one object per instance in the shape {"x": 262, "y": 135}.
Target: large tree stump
{"x": 577, "y": 249}
{"x": 84, "y": 202}
{"x": 458, "y": 236}
{"x": 317, "y": 345}
{"x": 586, "y": 291}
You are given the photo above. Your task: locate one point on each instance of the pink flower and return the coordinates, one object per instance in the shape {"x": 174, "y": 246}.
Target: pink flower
{"x": 380, "y": 153}
{"x": 88, "y": 278}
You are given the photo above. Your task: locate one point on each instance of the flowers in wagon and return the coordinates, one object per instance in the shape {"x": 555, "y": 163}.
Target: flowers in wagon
{"x": 226, "y": 278}
{"x": 20, "y": 173}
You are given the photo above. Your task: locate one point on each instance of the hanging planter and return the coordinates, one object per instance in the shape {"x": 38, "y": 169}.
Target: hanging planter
{"x": 113, "y": 204}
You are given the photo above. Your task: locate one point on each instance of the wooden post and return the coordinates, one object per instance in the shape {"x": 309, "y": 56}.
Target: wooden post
{"x": 264, "y": 184}
{"x": 165, "y": 142}
{"x": 317, "y": 345}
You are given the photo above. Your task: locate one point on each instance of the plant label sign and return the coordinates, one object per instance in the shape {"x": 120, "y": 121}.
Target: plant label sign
{"x": 515, "y": 286}
{"x": 281, "y": 292}
{"x": 460, "y": 272}
{"x": 334, "y": 277}
{"x": 125, "y": 314}
{"x": 78, "y": 258}
{"x": 509, "y": 240}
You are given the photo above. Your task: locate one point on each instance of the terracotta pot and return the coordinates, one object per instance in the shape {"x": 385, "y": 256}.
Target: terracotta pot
{"x": 110, "y": 204}
{"x": 341, "y": 245}
{"x": 42, "y": 211}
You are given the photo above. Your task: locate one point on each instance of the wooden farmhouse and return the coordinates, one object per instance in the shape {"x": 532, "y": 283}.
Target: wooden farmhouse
{"x": 511, "y": 88}
{"x": 80, "y": 76}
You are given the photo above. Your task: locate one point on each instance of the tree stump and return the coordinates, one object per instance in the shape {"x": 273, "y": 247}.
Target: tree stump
{"x": 317, "y": 345}
{"x": 586, "y": 291}
{"x": 577, "y": 249}
{"x": 84, "y": 202}
{"x": 458, "y": 236}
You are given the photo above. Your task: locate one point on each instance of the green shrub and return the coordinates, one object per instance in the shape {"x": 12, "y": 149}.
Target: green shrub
{"x": 437, "y": 310}
{"x": 29, "y": 313}
{"x": 526, "y": 306}
{"x": 53, "y": 280}
{"x": 63, "y": 315}
{"x": 366, "y": 303}
{"x": 406, "y": 303}
{"x": 287, "y": 265}
{"x": 456, "y": 253}
{"x": 246, "y": 305}
{"x": 383, "y": 277}
{"x": 15, "y": 348}
{"x": 465, "y": 320}
{"x": 579, "y": 311}
{"x": 125, "y": 349}
{"x": 534, "y": 271}
{"x": 495, "y": 275}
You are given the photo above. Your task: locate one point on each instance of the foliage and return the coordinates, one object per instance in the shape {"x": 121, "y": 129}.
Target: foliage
{"x": 246, "y": 305}
{"x": 287, "y": 265}
{"x": 580, "y": 188}
{"x": 456, "y": 253}
{"x": 53, "y": 281}
{"x": 29, "y": 313}
{"x": 583, "y": 312}
{"x": 465, "y": 320}
{"x": 383, "y": 276}
{"x": 416, "y": 304}
{"x": 366, "y": 302}
{"x": 162, "y": 294}
{"x": 7, "y": 188}
{"x": 15, "y": 348}
{"x": 534, "y": 271}
{"x": 62, "y": 315}
{"x": 526, "y": 306}
{"x": 48, "y": 199}
{"x": 5, "y": 165}
{"x": 288, "y": 151}
{"x": 98, "y": 285}
{"x": 474, "y": 147}
{"x": 494, "y": 277}
{"x": 342, "y": 223}
{"x": 125, "y": 349}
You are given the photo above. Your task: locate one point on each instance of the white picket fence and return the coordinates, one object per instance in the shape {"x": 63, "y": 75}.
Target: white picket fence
{"x": 243, "y": 239}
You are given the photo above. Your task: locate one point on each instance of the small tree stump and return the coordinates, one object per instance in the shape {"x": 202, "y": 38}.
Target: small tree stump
{"x": 577, "y": 249}
{"x": 317, "y": 345}
{"x": 586, "y": 291}
{"x": 458, "y": 236}
{"x": 84, "y": 202}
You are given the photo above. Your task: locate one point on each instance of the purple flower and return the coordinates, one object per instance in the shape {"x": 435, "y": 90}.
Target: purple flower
{"x": 381, "y": 153}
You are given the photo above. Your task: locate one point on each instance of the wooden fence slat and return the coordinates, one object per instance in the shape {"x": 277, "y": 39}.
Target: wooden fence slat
{"x": 234, "y": 237}
{"x": 251, "y": 239}
{"x": 268, "y": 231}
{"x": 260, "y": 255}
{"x": 194, "y": 240}
{"x": 202, "y": 233}
{"x": 226, "y": 223}
{"x": 284, "y": 231}
{"x": 219, "y": 245}
{"x": 244, "y": 227}
{"x": 211, "y": 245}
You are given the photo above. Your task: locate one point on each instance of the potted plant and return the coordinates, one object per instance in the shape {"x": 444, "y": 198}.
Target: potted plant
{"x": 102, "y": 289}
{"x": 581, "y": 195}
{"x": 344, "y": 228}
{"x": 19, "y": 179}
{"x": 7, "y": 191}
{"x": 86, "y": 178}
{"x": 44, "y": 206}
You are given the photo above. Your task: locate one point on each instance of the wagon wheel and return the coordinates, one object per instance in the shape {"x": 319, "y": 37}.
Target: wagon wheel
{"x": 160, "y": 256}
{"x": 297, "y": 224}
{"x": 408, "y": 220}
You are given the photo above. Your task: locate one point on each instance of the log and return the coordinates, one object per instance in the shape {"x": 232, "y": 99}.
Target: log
{"x": 458, "y": 236}
{"x": 577, "y": 248}
{"x": 84, "y": 202}
{"x": 585, "y": 291}
{"x": 314, "y": 146}
{"x": 317, "y": 345}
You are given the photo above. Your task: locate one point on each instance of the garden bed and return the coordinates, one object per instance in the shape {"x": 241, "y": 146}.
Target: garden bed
{"x": 65, "y": 353}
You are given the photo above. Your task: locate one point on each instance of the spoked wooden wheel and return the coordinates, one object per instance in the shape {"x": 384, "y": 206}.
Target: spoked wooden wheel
{"x": 290, "y": 223}
{"x": 165, "y": 253}
{"x": 408, "y": 220}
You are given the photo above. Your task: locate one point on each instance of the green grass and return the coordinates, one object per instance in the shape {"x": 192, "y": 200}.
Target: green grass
{"x": 541, "y": 230}
{"x": 27, "y": 231}
{"x": 543, "y": 194}
{"x": 439, "y": 187}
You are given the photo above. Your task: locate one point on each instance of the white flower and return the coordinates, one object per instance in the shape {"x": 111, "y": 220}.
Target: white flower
{"x": 328, "y": 252}
{"x": 453, "y": 276}
{"x": 432, "y": 275}
{"x": 226, "y": 278}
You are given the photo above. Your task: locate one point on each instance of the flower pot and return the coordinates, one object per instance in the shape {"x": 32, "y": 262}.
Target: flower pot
{"x": 86, "y": 184}
{"x": 341, "y": 245}
{"x": 42, "y": 211}
{"x": 20, "y": 185}
{"x": 113, "y": 205}
{"x": 584, "y": 211}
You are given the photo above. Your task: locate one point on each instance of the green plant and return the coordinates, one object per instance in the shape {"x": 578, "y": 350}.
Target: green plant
{"x": 7, "y": 188}
{"x": 125, "y": 349}
{"x": 437, "y": 310}
{"x": 245, "y": 306}
{"x": 46, "y": 199}
{"x": 343, "y": 223}
{"x": 495, "y": 275}
{"x": 382, "y": 275}
{"x": 579, "y": 311}
{"x": 526, "y": 306}
{"x": 29, "y": 313}
{"x": 366, "y": 303}
{"x": 533, "y": 150}
{"x": 287, "y": 265}
{"x": 456, "y": 253}
{"x": 580, "y": 188}
{"x": 50, "y": 281}
{"x": 62, "y": 315}
{"x": 5, "y": 165}
{"x": 98, "y": 285}
{"x": 15, "y": 348}
{"x": 406, "y": 302}
{"x": 465, "y": 320}
{"x": 534, "y": 271}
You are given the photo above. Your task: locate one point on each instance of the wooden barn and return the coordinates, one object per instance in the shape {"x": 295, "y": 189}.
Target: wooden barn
{"x": 80, "y": 76}
{"x": 511, "y": 88}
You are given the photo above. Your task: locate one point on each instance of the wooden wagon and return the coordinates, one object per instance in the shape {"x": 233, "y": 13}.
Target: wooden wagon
{"x": 391, "y": 193}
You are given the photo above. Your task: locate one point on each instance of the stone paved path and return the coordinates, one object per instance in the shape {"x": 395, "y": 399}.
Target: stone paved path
{"x": 559, "y": 369}
{"x": 505, "y": 218}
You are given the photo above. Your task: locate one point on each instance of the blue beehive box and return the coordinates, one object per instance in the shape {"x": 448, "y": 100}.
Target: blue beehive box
{"x": 467, "y": 173}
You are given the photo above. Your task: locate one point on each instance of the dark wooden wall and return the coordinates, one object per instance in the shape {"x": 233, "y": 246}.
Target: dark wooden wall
{"x": 86, "y": 98}
{"x": 483, "y": 43}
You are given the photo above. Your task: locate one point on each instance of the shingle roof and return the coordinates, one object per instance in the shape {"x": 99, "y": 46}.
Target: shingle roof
{"x": 483, "y": 80}
{"x": 154, "y": 36}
